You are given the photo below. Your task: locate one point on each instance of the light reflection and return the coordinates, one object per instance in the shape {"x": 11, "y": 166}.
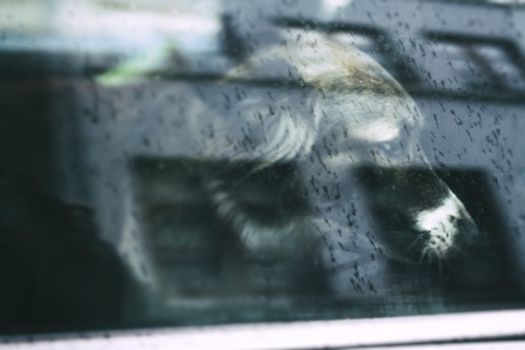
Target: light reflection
{"x": 331, "y": 7}
{"x": 380, "y": 130}
{"x": 137, "y": 68}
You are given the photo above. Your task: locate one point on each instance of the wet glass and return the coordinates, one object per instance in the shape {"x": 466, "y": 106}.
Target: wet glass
{"x": 209, "y": 162}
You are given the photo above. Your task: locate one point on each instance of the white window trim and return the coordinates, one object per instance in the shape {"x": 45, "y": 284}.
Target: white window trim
{"x": 417, "y": 330}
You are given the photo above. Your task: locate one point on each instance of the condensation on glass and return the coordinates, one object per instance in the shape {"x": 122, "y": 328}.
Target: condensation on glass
{"x": 210, "y": 162}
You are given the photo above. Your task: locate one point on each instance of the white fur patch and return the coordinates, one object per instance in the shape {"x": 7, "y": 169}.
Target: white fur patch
{"x": 439, "y": 222}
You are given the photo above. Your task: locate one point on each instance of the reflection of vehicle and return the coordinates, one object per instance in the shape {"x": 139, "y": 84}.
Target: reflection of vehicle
{"x": 241, "y": 179}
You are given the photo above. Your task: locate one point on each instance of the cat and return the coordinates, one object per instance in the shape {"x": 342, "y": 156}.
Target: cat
{"x": 332, "y": 112}
{"x": 351, "y": 115}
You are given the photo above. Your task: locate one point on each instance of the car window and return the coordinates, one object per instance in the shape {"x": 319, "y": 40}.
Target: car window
{"x": 213, "y": 162}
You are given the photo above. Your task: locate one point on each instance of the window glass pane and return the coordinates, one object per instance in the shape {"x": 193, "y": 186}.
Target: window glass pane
{"x": 209, "y": 162}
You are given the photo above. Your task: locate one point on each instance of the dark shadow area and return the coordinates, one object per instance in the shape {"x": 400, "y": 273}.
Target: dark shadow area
{"x": 26, "y": 132}
{"x": 495, "y": 269}
{"x": 57, "y": 275}
{"x": 197, "y": 248}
